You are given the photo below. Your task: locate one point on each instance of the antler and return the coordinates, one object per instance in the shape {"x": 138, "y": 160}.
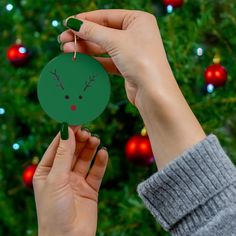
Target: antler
{"x": 57, "y": 78}
{"x": 88, "y": 83}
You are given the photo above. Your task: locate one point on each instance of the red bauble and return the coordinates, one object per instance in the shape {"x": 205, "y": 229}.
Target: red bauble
{"x": 138, "y": 150}
{"x": 28, "y": 175}
{"x": 18, "y": 55}
{"x": 216, "y": 75}
{"x": 174, "y": 3}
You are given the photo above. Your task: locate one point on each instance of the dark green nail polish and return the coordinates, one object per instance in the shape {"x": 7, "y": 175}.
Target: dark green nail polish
{"x": 64, "y": 131}
{"x": 95, "y": 135}
{"x": 85, "y": 129}
{"x": 74, "y": 24}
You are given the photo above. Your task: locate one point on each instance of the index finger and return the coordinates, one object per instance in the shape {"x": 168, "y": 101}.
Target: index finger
{"x": 113, "y": 18}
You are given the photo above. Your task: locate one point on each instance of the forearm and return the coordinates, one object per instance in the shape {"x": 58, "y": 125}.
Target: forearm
{"x": 170, "y": 123}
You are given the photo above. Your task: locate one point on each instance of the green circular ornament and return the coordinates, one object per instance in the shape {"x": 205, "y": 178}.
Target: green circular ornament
{"x": 74, "y": 91}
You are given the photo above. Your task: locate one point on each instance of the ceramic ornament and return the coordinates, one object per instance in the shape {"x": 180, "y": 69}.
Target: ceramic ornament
{"x": 73, "y": 90}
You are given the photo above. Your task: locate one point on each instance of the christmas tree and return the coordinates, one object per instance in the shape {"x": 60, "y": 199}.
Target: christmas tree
{"x": 200, "y": 43}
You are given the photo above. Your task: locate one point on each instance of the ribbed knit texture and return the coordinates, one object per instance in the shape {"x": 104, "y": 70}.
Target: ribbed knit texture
{"x": 196, "y": 193}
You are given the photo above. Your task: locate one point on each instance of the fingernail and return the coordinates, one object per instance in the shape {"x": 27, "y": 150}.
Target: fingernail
{"x": 62, "y": 46}
{"x": 74, "y": 24}
{"x": 85, "y": 129}
{"x": 58, "y": 39}
{"x": 104, "y": 148}
{"x": 64, "y": 131}
{"x": 95, "y": 135}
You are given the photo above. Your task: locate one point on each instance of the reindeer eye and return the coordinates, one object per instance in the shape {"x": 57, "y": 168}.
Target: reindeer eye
{"x": 80, "y": 97}
{"x": 67, "y": 97}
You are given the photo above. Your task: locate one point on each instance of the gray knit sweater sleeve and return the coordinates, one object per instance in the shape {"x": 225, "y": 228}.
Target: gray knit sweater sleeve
{"x": 196, "y": 193}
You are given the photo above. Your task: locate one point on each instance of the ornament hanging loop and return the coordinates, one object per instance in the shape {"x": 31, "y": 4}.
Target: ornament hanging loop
{"x": 75, "y": 46}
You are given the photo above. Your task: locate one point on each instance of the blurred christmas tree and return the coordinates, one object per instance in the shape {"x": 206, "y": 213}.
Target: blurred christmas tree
{"x": 194, "y": 33}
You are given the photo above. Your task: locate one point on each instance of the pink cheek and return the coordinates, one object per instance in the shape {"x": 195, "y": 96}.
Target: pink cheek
{"x": 73, "y": 107}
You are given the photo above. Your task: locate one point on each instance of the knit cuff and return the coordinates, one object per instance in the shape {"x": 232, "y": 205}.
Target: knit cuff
{"x": 187, "y": 183}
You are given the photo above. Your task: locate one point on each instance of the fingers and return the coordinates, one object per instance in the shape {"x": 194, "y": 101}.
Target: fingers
{"x": 66, "y": 36}
{"x": 85, "y": 156}
{"x": 64, "y": 155}
{"x": 81, "y": 137}
{"x": 45, "y": 164}
{"x": 49, "y": 155}
{"x": 93, "y": 49}
{"x": 75, "y": 128}
{"x": 84, "y": 47}
{"x": 112, "y": 18}
{"x": 97, "y": 171}
{"x": 108, "y": 65}
{"x": 93, "y": 32}
{"x": 100, "y": 26}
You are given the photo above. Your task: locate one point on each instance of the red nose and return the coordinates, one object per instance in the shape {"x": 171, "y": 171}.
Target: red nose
{"x": 73, "y": 107}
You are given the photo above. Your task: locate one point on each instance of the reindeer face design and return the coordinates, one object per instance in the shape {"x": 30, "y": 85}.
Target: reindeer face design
{"x": 73, "y": 91}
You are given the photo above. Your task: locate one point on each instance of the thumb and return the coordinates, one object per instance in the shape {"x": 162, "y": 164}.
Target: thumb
{"x": 65, "y": 152}
{"x": 87, "y": 30}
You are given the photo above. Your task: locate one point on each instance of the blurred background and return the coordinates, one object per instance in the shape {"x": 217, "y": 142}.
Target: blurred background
{"x": 200, "y": 41}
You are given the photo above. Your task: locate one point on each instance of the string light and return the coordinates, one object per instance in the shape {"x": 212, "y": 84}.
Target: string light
{"x": 200, "y": 52}
{"x": 9, "y": 7}
{"x": 22, "y": 50}
{"x": 36, "y": 34}
{"x": 210, "y": 88}
{"x": 55, "y": 23}
{"x": 29, "y": 232}
{"x": 143, "y": 131}
{"x": 169, "y": 8}
{"x": 16, "y": 146}
{"x": 2, "y": 111}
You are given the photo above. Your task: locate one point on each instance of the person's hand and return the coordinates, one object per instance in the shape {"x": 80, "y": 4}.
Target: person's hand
{"x": 131, "y": 39}
{"x": 66, "y": 192}
{"x": 133, "y": 42}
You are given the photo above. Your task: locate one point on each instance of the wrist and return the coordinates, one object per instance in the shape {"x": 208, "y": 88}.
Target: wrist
{"x": 171, "y": 125}
{"x": 50, "y": 230}
{"x": 50, "y": 233}
{"x": 45, "y": 231}
{"x": 155, "y": 80}
{"x": 156, "y": 90}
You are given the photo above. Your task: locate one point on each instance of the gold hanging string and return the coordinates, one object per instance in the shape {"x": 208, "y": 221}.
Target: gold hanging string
{"x": 75, "y": 46}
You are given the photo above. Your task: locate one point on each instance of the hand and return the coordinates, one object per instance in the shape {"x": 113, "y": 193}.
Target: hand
{"x": 66, "y": 192}
{"x": 133, "y": 42}
{"x": 131, "y": 39}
